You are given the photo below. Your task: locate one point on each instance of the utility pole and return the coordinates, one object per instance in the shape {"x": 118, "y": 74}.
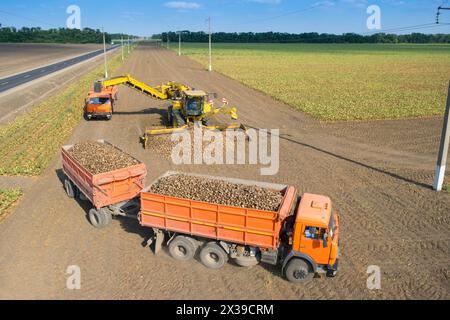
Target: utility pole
{"x": 104, "y": 54}
{"x": 128, "y": 44}
{"x": 121, "y": 40}
{"x": 443, "y": 148}
{"x": 179, "y": 43}
{"x": 168, "y": 40}
{"x": 439, "y": 12}
{"x": 210, "y": 55}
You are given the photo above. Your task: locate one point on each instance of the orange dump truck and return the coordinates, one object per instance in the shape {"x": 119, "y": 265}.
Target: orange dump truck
{"x": 302, "y": 243}
{"x": 110, "y": 193}
{"x": 100, "y": 103}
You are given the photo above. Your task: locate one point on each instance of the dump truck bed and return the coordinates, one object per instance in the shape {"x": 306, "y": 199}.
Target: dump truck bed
{"x": 105, "y": 188}
{"x": 221, "y": 222}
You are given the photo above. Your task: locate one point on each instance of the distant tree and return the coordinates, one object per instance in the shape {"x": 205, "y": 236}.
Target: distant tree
{"x": 61, "y": 35}
{"x": 311, "y": 37}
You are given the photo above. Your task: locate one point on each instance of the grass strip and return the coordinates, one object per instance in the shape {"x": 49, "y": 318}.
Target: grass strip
{"x": 7, "y": 198}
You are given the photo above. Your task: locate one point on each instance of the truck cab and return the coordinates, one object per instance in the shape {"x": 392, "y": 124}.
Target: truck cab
{"x": 100, "y": 104}
{"x": 314, "y": 240}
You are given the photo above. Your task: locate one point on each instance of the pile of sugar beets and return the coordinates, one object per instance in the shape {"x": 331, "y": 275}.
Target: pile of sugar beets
{"x": 98, "y": 158}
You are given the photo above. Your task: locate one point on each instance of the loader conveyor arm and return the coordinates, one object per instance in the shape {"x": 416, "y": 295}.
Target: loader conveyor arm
{"x": 162, "y": 92}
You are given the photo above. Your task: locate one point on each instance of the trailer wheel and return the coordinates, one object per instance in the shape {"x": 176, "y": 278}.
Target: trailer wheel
{"x": 71, "y": 189}
{"x": 182, "y": 249}
{"x": 213, "y": 256}
{"x": 99, "y": 218}
{"x": 298, "y": 270}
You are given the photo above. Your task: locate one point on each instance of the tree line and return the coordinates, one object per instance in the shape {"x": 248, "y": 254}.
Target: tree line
{"x": 60, "y": 35}
{"x": 311, "y": 37}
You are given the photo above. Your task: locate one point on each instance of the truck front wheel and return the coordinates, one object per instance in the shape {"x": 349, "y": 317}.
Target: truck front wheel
{"x": 213, "y": 256}
{"x": 182, "y": 249}
{"x": 298, "y": 270}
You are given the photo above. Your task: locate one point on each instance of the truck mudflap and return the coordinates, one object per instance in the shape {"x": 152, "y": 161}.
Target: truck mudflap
{"x": 332, "y": 270}
{"x": 156, "y": 239}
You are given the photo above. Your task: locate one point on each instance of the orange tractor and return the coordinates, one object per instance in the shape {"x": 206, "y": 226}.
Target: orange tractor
{"x": 100, "y": 103}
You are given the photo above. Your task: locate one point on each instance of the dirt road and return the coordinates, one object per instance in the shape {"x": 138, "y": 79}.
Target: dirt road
{"x": 377, "y": 174}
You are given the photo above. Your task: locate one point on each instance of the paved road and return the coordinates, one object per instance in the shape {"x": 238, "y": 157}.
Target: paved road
{"x": 24, "y": 77}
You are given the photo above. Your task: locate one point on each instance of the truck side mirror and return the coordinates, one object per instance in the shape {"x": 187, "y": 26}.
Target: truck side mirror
{"x": 325, "y": 240}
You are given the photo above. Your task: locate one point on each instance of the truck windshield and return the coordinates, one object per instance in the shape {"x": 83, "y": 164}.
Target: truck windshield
{"x": 98, "y": 100}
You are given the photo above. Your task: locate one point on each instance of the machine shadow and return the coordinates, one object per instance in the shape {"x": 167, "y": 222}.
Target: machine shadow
{"x": 161, "y": 112}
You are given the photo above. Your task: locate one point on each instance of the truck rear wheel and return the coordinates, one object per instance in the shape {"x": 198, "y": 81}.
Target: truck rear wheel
{"x": 213, "y": 256}
{"x": 99, "y": 218}
{"x": 182, "y": 249}
{"x": 298, "y": 270}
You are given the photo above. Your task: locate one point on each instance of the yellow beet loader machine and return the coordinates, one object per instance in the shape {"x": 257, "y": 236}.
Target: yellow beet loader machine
{"x": 188, "y": 106}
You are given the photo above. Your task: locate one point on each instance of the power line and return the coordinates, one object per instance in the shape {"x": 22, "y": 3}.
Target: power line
{"x": 317, "y": 5}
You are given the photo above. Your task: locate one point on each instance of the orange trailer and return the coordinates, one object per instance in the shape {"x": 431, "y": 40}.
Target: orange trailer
{"x": 109, "y": 192}
{"x": 221, "y": 222}
{"x": 303, "y": 243}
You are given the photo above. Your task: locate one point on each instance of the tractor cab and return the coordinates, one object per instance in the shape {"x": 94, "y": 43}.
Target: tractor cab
{"x": 194, "y": 102}
{"x": 316, "y": 232}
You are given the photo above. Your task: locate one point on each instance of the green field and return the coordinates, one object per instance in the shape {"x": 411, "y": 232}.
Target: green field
{"x": 340, "y": 81}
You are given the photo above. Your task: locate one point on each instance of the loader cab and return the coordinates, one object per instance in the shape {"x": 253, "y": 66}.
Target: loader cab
{"x": 316, "y": 230}
{"x": 194, "y": 101}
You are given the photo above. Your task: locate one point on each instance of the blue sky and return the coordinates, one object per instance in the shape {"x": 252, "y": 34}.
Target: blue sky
{"x": 142, "y": 17}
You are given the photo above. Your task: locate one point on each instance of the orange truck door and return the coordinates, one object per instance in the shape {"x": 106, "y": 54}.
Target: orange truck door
{"x": 311, "y": 243}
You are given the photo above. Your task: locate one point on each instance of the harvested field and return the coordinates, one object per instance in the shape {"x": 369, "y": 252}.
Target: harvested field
{"x": 219, "y": 192}
{"x": 99, "y": 157}
{"x": 378, "y": 175}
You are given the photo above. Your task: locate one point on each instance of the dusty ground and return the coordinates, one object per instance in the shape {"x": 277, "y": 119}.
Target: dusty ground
{"x": 19, "y": 57}
{"x": 377, "y": 173}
